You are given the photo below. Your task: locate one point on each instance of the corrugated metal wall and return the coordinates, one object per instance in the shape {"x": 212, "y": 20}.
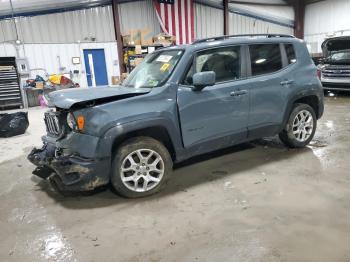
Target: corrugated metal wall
{"x": 81, "y": 25}
{"x": 326, "y": 19}
{"x": 209, "y": 22}
{"x": 246, "y": 25}
{"x": 67, "y": 27}
{"x": 138, "y": 15}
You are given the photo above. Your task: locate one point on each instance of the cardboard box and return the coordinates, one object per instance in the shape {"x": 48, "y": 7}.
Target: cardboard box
{"x": 164, "y": 39}
{"x": 124, "y": 76}
{"x": 39, "y": 85}
{"x": 135, "y": 37}
{"x": 126, "y": 40}
{"x": 146, "y": 37}
{"x": 138, "y": 49}
{"x": 116, "y": 80}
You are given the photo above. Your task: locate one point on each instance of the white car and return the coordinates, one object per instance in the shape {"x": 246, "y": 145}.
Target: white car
{"x": 334, "y": 71}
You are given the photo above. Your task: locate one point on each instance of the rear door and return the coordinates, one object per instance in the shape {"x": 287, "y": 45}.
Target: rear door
{"x": 267, "y": 99}
{"x": 217, "y": 111}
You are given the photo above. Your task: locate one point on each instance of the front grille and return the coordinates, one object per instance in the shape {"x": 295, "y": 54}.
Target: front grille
{"x": 336, "y": 71}
{"x": 52, "y": 123}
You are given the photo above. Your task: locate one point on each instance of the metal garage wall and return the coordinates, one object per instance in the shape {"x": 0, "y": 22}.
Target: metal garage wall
{"x": 67, "y": 27}
{"x": 136, "y": 15}
{"x": 246, "y": 25}
{"x": 53, "y": 56}
{"x": 326, "y": 19}
{"x": 209, "y": 20}
{"x": 282, "y": 13}
{"x": 7, "y": 30}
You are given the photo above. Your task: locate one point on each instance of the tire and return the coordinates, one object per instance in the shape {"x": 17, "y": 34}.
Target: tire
{"x": 130, "y": 173}
{"x": 295, "y": 134}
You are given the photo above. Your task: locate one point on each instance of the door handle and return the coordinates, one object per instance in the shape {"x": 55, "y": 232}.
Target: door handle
{"x": 238, "y": 93}
{"x": 287, "y": 82}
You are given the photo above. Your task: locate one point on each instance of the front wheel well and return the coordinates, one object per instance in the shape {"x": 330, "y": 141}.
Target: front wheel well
{"x": 159, "y": 133}
{"x": 311, "y": 101}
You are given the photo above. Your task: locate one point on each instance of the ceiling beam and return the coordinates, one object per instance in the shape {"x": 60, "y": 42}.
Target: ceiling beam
{"x": 257, "y": 3}
{"x": 118, "y": 35}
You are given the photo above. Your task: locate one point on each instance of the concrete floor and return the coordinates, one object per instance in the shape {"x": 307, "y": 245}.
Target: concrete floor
{"x": 255, "y": 202}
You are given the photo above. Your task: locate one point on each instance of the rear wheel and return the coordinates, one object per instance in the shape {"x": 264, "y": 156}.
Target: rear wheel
{"x": 141, "y": 167}
{"x": 301, "y": 126}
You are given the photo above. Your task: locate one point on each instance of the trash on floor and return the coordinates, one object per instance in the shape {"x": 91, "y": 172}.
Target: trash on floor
{"x": 13, "y": 124}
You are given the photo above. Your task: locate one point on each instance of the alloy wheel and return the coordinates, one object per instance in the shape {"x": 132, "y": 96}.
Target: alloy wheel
{"x": 142, "y": 170}
{"x": 303, "y": 125}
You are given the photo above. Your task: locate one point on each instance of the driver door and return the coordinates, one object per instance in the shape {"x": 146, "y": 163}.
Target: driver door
{"x": 220, "y": 112}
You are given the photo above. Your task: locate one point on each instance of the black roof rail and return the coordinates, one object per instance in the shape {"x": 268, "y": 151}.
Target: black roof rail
{"x": 224, "y": 37}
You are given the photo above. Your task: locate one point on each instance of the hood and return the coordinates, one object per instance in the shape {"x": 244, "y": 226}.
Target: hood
{"x": 77, "y": 96}
{"x": 335, "y": 44}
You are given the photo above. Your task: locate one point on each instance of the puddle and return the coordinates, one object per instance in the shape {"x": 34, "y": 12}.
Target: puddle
{"x": 318, "y": 143}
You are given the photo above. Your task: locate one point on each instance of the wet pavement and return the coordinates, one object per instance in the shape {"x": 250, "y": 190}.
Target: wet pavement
{"x": 254, "y": 202}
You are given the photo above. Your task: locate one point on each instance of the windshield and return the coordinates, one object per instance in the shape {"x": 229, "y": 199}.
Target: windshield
{"x": 338, "y": 56}
{"x": 154, "y": 69}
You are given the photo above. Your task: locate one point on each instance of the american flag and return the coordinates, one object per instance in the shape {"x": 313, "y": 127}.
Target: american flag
{"x": 176, "y": 19}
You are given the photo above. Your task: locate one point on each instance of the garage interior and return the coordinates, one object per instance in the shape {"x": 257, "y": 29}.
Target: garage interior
{"x": 257, "y": 201}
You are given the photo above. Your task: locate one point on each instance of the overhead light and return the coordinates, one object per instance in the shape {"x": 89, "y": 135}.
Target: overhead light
{"x": 259, "y": 61}
{"x": 18, "y": 42}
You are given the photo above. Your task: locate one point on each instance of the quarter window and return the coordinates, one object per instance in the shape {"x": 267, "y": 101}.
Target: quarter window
{"x": 225, "y": 62}
{"x": 290, "y": 53}
{"x": 265, "y": 58}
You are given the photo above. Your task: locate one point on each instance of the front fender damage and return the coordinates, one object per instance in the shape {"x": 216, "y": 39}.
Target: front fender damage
{"x": 69, "y": 172}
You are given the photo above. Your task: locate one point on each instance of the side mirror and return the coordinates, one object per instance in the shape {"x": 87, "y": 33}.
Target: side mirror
{"x": 203, "y": 79}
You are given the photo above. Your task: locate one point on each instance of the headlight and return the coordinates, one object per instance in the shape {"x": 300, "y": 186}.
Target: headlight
{"x": 71, "y": 121}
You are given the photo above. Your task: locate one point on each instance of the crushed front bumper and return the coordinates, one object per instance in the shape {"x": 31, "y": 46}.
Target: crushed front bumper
{"x": 69, "y": 172}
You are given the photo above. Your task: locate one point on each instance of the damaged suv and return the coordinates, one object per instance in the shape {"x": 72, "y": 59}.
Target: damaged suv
{"x": 335, "y": 67}
{"x": 181, "y": 101}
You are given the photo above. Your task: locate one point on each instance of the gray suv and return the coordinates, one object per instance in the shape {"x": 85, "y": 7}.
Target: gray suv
{"x": 181, "y": 101}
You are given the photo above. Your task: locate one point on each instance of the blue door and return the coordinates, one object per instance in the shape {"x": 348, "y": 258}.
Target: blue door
{"x": 95, "y": 66}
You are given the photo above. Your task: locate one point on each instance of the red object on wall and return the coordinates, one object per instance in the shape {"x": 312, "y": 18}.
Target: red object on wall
{"x": 177, "y": 19}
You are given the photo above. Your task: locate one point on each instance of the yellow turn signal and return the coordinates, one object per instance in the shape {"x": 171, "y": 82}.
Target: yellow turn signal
{"x": 80, "y": 122}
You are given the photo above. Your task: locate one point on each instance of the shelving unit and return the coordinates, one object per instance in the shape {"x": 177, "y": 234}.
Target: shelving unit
{"x": 10, "y": 92}
{"x": 130, "y": 67}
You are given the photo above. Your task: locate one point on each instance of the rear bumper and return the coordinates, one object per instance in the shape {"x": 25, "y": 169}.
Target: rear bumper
{"x": 69, "y": 172}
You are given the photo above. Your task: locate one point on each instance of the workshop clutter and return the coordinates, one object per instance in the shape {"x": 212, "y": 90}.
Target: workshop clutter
{"x": 164, "y": 39}
{"x": 54, "y": 81}
{"x": 38, "y": 88}
{"x": 137, "y": 43}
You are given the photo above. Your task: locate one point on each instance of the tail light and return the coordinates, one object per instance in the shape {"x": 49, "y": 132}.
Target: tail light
{"x": 318, "y": 73}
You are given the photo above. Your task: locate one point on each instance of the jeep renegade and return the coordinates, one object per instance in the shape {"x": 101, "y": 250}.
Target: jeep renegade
{"x": 181, "y": 101}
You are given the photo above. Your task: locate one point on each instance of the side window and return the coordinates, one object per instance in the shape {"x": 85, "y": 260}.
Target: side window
{"x": 265, "y": 58}
{"x": 290, "y": 53}
{"x": 225, "y": 62}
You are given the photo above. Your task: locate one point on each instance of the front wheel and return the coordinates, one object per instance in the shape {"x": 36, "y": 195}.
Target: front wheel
{"x": 301, "y": 126}
{"x": 141, "y": 167}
